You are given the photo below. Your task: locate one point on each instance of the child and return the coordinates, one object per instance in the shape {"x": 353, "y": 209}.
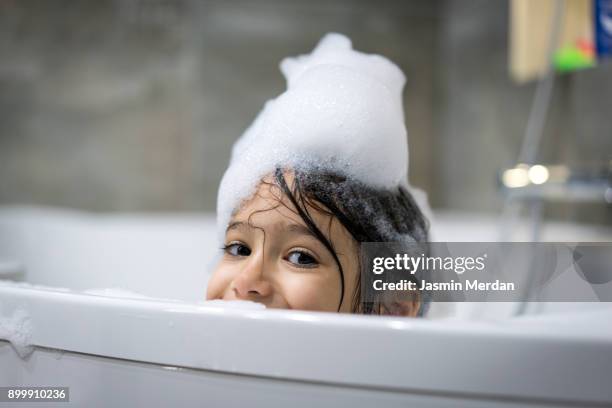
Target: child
{"x": 322, "y": 169}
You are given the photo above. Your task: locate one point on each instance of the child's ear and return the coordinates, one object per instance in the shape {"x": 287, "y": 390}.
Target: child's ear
{"x": 407, "y": 308}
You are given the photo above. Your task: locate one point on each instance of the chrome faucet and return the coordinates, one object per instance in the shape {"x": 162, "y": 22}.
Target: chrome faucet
{"x": 556, "y": 183}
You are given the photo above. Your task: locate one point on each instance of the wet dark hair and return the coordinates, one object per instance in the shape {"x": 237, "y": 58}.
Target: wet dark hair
{"x": 369, "y": 214}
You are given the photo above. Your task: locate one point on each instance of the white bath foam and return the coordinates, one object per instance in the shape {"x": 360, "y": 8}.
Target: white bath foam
{"x": 128, "y": 294}
{"x": 342, "y": 111}
{"x": 233, "y": 304}
{"x": 17, "y": 330}
{"x": 26, "y": 285}
{"x": 122, "y": 293}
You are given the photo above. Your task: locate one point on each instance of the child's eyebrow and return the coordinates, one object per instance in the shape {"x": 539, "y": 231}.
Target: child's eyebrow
{"x": 237, "y": 225}
{"x": 292, "y": 228}
{"x": 300, "y": 229}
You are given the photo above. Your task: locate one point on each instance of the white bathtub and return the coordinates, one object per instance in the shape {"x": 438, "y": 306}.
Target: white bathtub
{"x": 155, "y": 352}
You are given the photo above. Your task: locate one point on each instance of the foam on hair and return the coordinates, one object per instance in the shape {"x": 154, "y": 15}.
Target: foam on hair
{"x": 342, "y": 111}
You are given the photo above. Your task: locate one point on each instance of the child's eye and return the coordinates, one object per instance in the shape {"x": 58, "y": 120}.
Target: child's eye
{"x": 302, "y": 259}
{"x": 237, "y": 249}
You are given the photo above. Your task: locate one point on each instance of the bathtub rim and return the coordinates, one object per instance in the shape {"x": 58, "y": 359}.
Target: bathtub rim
{"x": 116, "y": 327}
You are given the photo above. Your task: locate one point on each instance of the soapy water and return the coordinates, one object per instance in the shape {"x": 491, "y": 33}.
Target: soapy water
{"x": 118, "y": 293}
{"x": 121, "y": 293}
{"x": 342, "y": 112}
{"x": 27, "y": 285}
{"x": 128, "y": 294}
{"x": 233, "y": 304}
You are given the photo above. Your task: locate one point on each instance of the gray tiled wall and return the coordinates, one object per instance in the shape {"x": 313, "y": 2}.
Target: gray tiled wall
{"x": 134, "y": 105}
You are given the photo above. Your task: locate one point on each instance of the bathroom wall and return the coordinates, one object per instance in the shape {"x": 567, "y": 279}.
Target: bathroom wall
{"x": 134, "y": 105}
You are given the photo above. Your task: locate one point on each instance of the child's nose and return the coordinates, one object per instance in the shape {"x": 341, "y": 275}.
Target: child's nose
{"x": 250, "y": 283}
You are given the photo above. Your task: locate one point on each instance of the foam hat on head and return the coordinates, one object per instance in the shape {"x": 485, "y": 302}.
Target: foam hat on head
{"x": 342, "y": 111}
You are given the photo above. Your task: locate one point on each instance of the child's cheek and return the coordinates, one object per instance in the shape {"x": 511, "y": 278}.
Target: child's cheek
{"x": 219, "y": 281}
{"x": 214, "y": 289}
{"x": 311, "y": 291}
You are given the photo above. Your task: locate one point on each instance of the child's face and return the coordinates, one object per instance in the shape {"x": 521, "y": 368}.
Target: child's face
{"x": 272, "y": 258}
